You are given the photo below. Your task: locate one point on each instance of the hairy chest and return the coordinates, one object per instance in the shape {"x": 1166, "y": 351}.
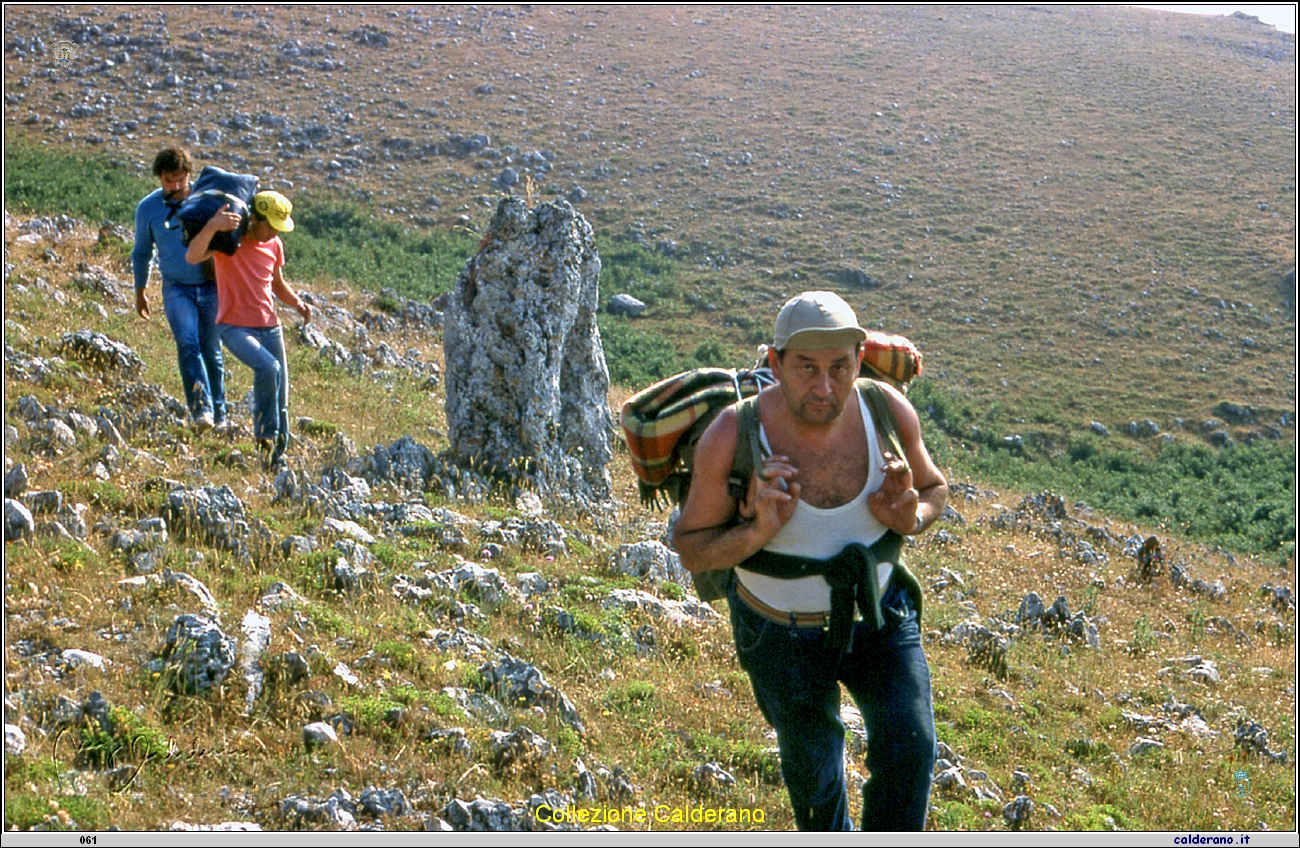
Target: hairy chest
{"x": 829, "y": 475}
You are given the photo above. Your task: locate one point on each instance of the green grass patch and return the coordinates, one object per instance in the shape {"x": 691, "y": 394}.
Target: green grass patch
{"x": 1099, "y": 817}
{"x": 333, "y": 238}
{"x": 44, "y": 180}
{"x": 636, "y": 356}
{"x": 400, "y": 654}
{"x": 740, "y": 755}
{"x": 1241, "y": 497}
{"x": 336, "y": 239}
{"x": 629, "y": 268}
{"x": 369, "y": 711}
{"x": 130, "y": 739}
{"x": 635, "y": 695}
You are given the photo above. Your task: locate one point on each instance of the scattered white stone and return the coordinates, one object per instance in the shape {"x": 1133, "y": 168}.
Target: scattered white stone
{"x": 77, "y": 658}
{"x": 532, "y": 583}
{"x": 678, "y": 611}
{"x": 651, "y": 561}
{"x": 529, "y": 504}
{"x": 348, "y": 528}
{"x": 257, "y": 638}
{"x": 193, "y": 586}
{"x": 18, "y": 520}
{"x": 15, "y": 740}
{"x": 1142, "y": 746}
{"x": 141, "y": 582}
{"x": 345, "y": 674}
{"x": 318, "y": 733}
{"x": 224, "y": 827}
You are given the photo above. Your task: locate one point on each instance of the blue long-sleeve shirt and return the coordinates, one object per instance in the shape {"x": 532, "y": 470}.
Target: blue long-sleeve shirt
{"x": 152, "y": 229}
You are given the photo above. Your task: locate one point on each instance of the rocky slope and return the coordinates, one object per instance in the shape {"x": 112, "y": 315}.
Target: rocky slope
{"x": 374, "y": 639}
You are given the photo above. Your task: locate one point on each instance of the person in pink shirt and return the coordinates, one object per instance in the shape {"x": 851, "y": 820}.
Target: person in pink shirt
{"x": 247, "y": 285}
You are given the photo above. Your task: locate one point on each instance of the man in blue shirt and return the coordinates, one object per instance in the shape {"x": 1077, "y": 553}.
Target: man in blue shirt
{"x": 189, "y": 291}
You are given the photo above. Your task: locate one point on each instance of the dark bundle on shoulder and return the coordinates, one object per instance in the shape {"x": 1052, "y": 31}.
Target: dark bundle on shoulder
{"x": 213, "y": 190}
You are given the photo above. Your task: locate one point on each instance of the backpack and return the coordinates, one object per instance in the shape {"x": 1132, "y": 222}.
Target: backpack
{"x": 214, "y": 189}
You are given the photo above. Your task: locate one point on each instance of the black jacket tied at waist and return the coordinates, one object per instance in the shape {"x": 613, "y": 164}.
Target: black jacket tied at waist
{"x": 853, "y": 578}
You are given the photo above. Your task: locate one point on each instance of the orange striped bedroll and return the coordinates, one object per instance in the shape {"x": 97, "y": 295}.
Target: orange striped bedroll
{"x": 891, "y": 358}
{"x": 662, "y": 423}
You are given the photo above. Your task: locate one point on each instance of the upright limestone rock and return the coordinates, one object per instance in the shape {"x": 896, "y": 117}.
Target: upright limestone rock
{"x": 526, "y": 375}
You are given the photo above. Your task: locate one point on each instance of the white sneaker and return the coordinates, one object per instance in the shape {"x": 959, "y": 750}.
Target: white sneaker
{"x": 203, "y": 422}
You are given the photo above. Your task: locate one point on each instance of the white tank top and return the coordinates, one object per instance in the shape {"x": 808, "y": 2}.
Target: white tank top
{"x": 821, "y": 534}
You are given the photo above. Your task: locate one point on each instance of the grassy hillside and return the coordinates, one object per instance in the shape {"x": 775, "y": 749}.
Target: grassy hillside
{"x": 659, "y": 696}
{"x": 1241, "y": 496}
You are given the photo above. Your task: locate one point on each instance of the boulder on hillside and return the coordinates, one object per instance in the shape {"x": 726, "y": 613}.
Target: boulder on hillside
{"x": 526, "y": 374}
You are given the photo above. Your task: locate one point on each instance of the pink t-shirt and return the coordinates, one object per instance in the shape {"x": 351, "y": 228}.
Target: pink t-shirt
{"x": 244, "y": 296}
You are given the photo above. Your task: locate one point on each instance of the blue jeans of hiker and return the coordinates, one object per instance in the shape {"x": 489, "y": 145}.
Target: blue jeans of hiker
{"x": 192, "y": 314}
{"x": 262, "y": 349}
{"x": 796, "y": 681}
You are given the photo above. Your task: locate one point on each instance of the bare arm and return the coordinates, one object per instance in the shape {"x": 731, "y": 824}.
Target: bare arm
{"x": 287, "y": 295}
{"x": 705, "y": 536}
{"x": 223, "y": 221}
{"x": 913, "y": 495}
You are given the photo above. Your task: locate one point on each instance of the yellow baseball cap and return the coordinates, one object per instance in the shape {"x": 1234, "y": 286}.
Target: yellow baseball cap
{"x": 275, "y": 208}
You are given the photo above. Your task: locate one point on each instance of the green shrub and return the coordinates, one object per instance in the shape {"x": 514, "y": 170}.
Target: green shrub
{"x": 368, "y": 711}
{"x": 1100, "y": 817}
{"x": 634, "y": 694}
{"x": 131, "y": 739}
{"x": 636, "y": 357}
{"x": 709, "y": 353}
{"x": 629, "y": 268}
{"x": 741, "y": 755}
{"x": 401, "y": 654}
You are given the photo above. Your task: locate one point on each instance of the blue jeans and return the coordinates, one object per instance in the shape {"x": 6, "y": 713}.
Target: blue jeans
{"x": 192, "y": 314}
{"x": 796, "y": 681}
{"x": 262, "y": 349}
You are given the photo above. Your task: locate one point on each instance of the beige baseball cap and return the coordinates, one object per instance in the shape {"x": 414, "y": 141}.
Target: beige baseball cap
{"x": 817, "y": 320}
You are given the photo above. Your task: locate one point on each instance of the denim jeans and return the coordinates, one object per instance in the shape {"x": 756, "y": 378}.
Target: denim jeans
{"x": 796, "y": 681}
{"x": 192, "y": 314}
{"x": 262, "y": 349}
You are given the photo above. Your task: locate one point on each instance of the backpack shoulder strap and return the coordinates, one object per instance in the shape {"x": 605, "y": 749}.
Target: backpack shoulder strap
{"x": 882, "y": 413}
{"x": 749, "y": 448}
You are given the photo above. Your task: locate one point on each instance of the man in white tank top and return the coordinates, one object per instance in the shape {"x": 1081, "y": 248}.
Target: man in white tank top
{"x": 828, "y": 485}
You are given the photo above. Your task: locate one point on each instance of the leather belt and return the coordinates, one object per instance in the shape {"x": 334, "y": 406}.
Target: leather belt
{"x": 819, "y": 620}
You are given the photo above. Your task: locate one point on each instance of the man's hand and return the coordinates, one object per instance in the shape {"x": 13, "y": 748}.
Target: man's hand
{"x": 773, "y": 496}
{"x": 894, "y": 504}
{"x": 141, "y": 304}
